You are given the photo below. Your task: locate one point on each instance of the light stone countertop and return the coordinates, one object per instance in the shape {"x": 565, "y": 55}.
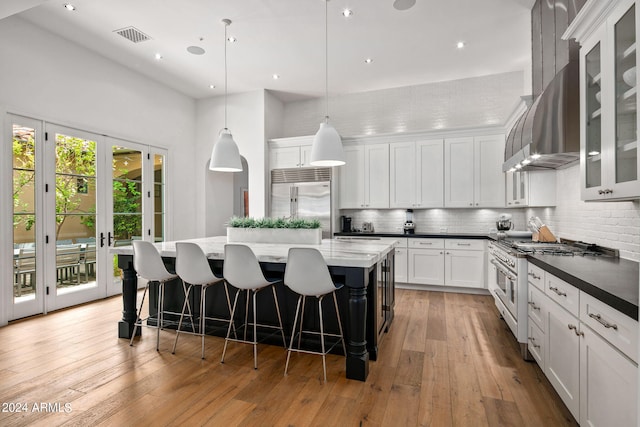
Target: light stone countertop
{"x": 342, "y": 253}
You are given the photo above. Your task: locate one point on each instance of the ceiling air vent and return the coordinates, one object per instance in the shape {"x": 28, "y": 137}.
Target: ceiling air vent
{"x": 133, "y": 34}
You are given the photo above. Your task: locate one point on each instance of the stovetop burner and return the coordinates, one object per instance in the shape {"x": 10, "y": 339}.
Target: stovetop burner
{"x": 566, "y": 248}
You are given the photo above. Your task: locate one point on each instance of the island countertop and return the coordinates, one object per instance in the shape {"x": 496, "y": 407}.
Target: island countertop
{"x": 342, "y": 253}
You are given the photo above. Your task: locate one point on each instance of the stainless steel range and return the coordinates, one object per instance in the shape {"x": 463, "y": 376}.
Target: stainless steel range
{"x": 507, "y": 267}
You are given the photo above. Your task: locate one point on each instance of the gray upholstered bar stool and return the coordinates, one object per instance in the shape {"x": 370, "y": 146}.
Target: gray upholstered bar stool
{"x": 307, "y": 275}
{"x": 242, "y": 270}
{"x": 148, "y": 265}
{"x": 193, "y": 268}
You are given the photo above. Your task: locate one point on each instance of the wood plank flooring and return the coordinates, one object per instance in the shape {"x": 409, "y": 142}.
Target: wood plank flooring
{"x": 448, "y": 360}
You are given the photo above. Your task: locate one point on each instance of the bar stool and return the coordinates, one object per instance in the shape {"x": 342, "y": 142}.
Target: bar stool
{"x": 148, "y": 265}
{"x": 242, "y": 270}
{"x": 192, "y": 266}
{"x": 307, "y": 275}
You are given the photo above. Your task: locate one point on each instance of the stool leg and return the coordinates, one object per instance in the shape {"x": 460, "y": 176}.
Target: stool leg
{"x": 203, "y": 298}
{"x": 293, "y": 334}
{"x": 304, "y": 300}
{"x": 226, "y": 340}
{"x": 275, "y": 300}
{"x": 184, "y": 307}
{"x": 324, "y": 362}
{"x": 255, "y": 333}
{"x": 160, "y": 307}
{"x": 226, "y": 292}
{"x": 335, "y": 303}
{"x": 138, "y": 320}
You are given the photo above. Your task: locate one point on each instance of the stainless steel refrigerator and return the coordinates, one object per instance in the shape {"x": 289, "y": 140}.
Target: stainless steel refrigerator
{"x": 302, "y": 193}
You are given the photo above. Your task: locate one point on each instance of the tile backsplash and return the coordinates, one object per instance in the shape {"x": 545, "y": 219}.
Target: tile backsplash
{"x": 435, "y": 220}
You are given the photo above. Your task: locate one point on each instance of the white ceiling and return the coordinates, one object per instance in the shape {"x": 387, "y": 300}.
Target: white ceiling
{"x": 286, "y": 37}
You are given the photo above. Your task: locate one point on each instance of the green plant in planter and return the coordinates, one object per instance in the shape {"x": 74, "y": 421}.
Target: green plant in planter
{"x": 249, "y": 222}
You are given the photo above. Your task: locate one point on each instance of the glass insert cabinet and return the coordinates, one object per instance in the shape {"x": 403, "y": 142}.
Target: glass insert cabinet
{"x": 609, "y": 162}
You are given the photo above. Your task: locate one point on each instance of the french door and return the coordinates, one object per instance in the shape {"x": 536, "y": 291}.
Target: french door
{"x": 75, "y": 194}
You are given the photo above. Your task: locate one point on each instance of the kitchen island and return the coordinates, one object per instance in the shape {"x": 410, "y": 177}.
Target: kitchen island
{"x": 366, "y": 268}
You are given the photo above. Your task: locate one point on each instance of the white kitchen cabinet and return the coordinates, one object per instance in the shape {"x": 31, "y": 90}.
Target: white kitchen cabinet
{"x": 290, "y": 157}
{"x": 473, "y": 172}
{"x": 532, "y": 188}
{"x": 416, "y": 174}
{"x": 563, "y": 356}
{"x": 364, "y": 179}
{"x": 588, "y": 355}
{"x": 609, "y": 161}
{"x": 402, "y": 260}
{"x": 608, "y": 383}
{"x": 447, "y": 262}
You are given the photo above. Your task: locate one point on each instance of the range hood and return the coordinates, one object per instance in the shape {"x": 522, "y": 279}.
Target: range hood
{"x": 547, "y": 135}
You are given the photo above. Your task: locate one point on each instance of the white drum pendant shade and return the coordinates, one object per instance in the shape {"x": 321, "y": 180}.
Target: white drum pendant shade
{"x": 327, "y": 147}
{"x": 225, "y": 156}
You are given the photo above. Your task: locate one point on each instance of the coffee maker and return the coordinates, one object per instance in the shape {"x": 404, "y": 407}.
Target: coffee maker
{"x": 409, "y": 226}
{"x": 345, "y": 224}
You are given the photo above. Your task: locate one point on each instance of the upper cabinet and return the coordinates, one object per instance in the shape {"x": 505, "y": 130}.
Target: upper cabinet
{"x": 609, "y": 162}
{"x": 416, "y": 174}
{"x": 364, "y": 179}
{"x": 290, "y": 157}
{"x": 531, "y": 188}
{"x": 473, "y": 172}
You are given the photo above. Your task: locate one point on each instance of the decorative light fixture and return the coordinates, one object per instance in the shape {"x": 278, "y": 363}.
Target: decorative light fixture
{"x": 460, "y": 45}
{"x": 69, "y": 6}
{"x": 225, "y": 156}
{"x": 327, "y": 145}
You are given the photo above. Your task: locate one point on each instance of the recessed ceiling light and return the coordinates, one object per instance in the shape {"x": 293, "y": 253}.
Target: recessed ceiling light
{"x": 232, "y": 39}
{"x": 368, "y": 61}
{"x": 347, "y": 13}
{"x": 212, "y": 86}
{"x": 276, "y": 76}
{"x": 460, "y": 45}
{"x": 195, "y": 50}
{"x": 69, "y": 6}
{"x": 158, "y": 56}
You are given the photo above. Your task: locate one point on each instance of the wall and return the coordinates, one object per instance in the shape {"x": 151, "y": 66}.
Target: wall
{"x": 611, "y": 224}
{"x": 246, "y": 121}
{"x": 49, "y": 78}
{"x": 473, "y": 102}
{"x": 435, "y": 220}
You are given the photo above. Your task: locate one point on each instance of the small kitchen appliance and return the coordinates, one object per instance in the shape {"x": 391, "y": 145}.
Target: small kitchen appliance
{"x": 367, "y": 227}
{"x": 345, "y": 224}
{"x": 409, "y": 226}
{"x": 504, "y": 222}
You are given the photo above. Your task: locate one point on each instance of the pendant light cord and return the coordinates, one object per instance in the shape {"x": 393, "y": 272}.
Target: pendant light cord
{"x": 226, "y": 24}
{"x": 326, "y": 60}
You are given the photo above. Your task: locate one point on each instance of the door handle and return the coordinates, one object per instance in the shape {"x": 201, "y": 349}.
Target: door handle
{"x": 110, "y": 238}
{"x": 102, "y": 240}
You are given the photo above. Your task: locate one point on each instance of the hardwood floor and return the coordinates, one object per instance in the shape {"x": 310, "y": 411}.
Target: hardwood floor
{"x": 447, "y": 361}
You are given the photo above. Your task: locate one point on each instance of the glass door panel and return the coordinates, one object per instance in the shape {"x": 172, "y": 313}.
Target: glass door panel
{"x": 75, "y": 219}
{"x": 593, "y": 164}
{"x": 158, "y": 197}
{"x": 27, "y": 283}
{"x": 626, "y": 147}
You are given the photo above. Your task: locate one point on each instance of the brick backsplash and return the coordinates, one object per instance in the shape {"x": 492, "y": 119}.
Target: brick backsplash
{"x": 435, "y": 220}
{"x": 611, "y": 224}
{"x": 472, "y": 102}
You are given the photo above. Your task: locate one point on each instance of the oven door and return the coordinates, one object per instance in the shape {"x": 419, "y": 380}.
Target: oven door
{"x": 505, "y": 286}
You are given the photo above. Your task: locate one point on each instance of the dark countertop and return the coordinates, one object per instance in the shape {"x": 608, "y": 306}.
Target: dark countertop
{"x": 613, "y": 281}
{"x": 418, "y": 235}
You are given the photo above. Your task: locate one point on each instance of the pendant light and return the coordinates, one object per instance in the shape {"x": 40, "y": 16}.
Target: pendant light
{"x": 225, "y": 156}
{"x": 327, "y": 145}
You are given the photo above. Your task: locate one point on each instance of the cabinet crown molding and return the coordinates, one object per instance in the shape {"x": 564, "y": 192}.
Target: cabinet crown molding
{"x": 590, "y": 17}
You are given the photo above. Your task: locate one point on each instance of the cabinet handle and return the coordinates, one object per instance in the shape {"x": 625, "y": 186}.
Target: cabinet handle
{"x": 533, "y": 342}
{"x": 464, "y": 244}
{"x": 557, "y": 291}
{"x": 534, "y": 275}
{"x": 516, "y": 203}
{"x": 425, "y": 243}
{"x": 533, "y": 305}
{"x": 448, "y": 253}
{"x": 440, "y": 252}
{"x": 575, "y": 330}
{"x": 477, "y": 204}
{"x": 508, "y": 203}
{"x": 604, "y": 323}
{"x": 470, "y": 204}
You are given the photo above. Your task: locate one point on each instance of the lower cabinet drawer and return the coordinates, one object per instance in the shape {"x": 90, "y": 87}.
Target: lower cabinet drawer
{"x": 620, "y": 330}
{"x": 535, "y": 341}
{"x": 563, "y": 293}
{"x": 536, "y": 308}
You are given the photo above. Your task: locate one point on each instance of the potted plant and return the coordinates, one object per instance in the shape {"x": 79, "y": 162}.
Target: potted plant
{"x": 274, "y": 230}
